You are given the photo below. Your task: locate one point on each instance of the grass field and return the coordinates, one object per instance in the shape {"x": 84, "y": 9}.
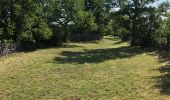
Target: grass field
{"x": 101, "y": 70}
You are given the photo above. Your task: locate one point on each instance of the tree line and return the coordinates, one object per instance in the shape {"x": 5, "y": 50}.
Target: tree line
{"x": 39, "y": 23}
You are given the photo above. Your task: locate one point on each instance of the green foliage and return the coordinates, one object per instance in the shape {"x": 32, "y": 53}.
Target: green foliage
{"x": 22, "y": 20}
{"x": 45, "y": 20}
{"x": 85, "y": 22}
{"x": 84, "y": 28}
{"x": 43, "y": 32}
{"x": 100, "y": 10}
{"x": 162, "y": 36}
{"x": 139, "y": 21}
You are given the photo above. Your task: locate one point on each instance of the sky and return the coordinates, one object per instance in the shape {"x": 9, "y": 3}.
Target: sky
{"x": 156, "y": 4}
{"x": 159, "y": 2}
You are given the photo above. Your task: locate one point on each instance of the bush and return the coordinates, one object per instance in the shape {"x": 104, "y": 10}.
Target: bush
{"x": 28, "y": 46}
{"x": 85, "y": 37}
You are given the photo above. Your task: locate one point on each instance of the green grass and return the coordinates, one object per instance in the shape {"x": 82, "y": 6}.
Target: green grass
{"x": 101, "y": 70}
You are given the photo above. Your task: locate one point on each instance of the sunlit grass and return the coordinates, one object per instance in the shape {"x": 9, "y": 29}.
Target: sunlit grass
{"x": 106, "y": 70}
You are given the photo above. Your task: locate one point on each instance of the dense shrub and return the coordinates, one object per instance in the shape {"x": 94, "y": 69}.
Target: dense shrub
{"x": 85, "y": 37}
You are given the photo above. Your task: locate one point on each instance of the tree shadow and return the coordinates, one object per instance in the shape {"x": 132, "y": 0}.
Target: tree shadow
{"x": 163, "y": 81}
{"x": 99, "y": 55}
{"x": 164, "y": 55}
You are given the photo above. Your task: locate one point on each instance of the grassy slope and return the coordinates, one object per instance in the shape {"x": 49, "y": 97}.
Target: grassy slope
{"x": 102, "y": 70}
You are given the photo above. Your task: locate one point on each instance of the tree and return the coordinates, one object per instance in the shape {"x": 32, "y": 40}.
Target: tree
{"x": 100, "y": 10}
{"x": 64, "y": 14}
{"x": 85, "y": 27}
{"x": 22, "y": 20}
{"x": 162, "y": 35}
{"x": 142, "y": 18}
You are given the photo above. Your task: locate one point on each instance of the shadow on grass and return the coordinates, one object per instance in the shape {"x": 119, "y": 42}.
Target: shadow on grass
{"x": 99, "y": 55}
{"x": 163, "y": 81}
{"x": 164, "y": 55}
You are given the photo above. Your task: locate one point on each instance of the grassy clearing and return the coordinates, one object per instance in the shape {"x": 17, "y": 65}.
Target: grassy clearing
{"x": 102, "y": 70}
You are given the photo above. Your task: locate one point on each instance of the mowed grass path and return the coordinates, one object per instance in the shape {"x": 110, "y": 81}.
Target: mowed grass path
{"x": 101, "y": 70}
